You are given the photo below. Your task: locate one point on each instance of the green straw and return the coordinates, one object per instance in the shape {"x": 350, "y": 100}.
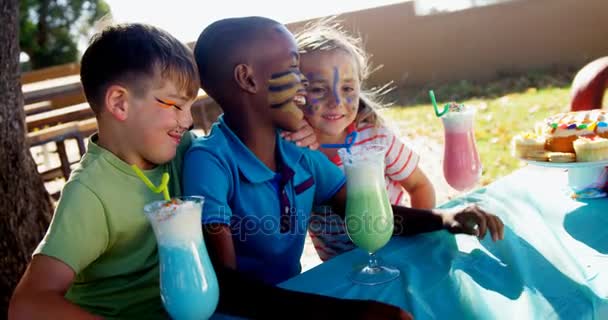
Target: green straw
{"x": 161, "y": 188}
{"x": 437, "y": 113}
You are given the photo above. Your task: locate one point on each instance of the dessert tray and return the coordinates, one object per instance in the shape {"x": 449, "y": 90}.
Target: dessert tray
{"x": 585, "y": 179}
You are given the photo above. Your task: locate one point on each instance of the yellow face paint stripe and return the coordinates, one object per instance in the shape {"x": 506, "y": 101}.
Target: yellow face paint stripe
{"x": 282, "y": 88}
{"x": 276, "y": 99}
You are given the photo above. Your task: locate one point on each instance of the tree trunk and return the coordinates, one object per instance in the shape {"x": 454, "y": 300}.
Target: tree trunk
{"x": 25, "y": 206}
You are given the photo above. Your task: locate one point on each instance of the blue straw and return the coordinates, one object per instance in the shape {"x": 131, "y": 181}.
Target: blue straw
{"x": 348, "y": 142}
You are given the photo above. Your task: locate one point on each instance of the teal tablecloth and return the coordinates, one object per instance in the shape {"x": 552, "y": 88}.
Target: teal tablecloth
{"x": 552, "y": 264}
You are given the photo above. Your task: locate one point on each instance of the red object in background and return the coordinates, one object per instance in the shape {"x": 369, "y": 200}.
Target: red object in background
{"x": 589, "y": 85}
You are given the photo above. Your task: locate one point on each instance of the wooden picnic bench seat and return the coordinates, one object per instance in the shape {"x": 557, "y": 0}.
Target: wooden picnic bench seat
{"x": 61, "y": 92}
{"x": 37, "y": 107}
{"x": 77, "y": 112}
{"x": 62, "y": 131}
{"x": 78, "y": 130}
{"x": 50, "y": 73}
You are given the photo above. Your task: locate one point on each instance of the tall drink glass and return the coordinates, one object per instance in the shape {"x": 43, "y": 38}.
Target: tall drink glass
{"x": 188, "y": 284}
{"x": 369, "y": 215}
{"x": 461, "y": 164}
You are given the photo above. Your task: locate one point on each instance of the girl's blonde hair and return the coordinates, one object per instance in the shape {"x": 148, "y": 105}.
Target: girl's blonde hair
{"x": 328, "y": 35}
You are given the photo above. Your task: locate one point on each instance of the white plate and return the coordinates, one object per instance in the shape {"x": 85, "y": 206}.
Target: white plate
{"x": 568, "y": 165}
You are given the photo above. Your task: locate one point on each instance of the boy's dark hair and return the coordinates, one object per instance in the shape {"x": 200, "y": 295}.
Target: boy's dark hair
{"x": 223, "y": 45}
{"x": 131, "y": 55}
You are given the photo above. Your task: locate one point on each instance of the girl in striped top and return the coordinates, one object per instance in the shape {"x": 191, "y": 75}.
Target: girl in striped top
{"x": 336, "y": 66}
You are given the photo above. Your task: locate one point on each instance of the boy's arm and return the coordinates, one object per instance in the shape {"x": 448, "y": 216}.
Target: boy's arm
{"x": 245, "y": 297}
{"x": 401, "y": 166}
{"x": 77, "y": 236}
{"x": 409, "y": 221}
{"x": 589, "y": 85}
{"x": 40, "y": 293}
{"x": 420, "y": 189}
{"x": 206, "y": 175}
{"x": 219, "y": 243}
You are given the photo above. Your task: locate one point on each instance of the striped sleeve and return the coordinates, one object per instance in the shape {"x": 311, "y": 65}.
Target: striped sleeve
{"x": 401, "y": 161}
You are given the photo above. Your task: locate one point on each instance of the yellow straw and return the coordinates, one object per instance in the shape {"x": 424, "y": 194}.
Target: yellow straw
{"x": 161, "y": 188}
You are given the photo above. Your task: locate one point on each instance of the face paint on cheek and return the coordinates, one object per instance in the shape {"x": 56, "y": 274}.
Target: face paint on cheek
{"x": 350, "y": 98}
{"x": 351, "y": 102}
{"x": 312, "y": 107}
{"x": 335, "y": 85}
{"x": 282, "y": 87}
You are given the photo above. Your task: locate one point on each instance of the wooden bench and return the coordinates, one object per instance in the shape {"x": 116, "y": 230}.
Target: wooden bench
{"x": 78, "y": 130}
{"x": 61, "y": 91}
{"x": 50, "y": 73}
{"x": 54, "y": 117}
{"x": 37, "y": 107}
{"x": 51, "y": 88}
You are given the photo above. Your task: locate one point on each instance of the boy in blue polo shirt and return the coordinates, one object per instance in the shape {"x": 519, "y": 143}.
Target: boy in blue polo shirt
{"x": 259, "y": 189}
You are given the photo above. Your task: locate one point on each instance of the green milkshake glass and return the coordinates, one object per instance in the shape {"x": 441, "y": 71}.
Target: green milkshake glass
{"x": 369, "y": 215}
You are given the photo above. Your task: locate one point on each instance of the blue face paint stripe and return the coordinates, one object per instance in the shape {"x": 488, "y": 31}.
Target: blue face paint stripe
{"x": 335, "y": 87}
{"x": 281, "y": 104}
{"x": 282, "y": 87}
{"x": 310, "y": 109}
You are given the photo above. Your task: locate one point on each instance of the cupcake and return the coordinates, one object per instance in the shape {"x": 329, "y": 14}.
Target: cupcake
{"x": 591, "y": 149}
{"x": 530, "y": 146}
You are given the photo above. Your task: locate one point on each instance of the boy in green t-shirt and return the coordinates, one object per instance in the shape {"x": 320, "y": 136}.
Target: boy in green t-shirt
{"x": 99, "y": 256}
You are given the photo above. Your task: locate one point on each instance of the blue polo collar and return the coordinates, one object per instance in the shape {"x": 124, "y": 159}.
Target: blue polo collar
{"x": 254, "y": 170}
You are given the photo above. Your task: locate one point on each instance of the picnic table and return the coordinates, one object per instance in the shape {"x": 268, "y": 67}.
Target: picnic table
{"x": 552, "y": 264}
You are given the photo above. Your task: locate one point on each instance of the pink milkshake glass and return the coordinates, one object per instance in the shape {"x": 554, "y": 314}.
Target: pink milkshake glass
{"x": 461, "y": 164}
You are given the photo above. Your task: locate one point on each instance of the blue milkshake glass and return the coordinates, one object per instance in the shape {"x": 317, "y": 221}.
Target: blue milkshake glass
{"x": 188, "y": 285}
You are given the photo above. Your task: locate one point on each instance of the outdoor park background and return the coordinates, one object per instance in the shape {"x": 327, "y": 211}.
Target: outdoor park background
{"x": 512, "y": 59}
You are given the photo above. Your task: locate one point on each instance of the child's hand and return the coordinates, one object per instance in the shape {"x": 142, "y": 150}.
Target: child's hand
{"x": 304, "y": 137}
{"x": 474, "y": 221}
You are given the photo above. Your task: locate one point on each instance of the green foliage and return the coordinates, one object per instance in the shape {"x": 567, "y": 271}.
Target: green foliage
{"x": 50, "y": 29}
{"x": 504, "y": 83}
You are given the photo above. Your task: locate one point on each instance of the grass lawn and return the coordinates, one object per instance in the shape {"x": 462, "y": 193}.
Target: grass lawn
{"x": 505, "y": 107}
